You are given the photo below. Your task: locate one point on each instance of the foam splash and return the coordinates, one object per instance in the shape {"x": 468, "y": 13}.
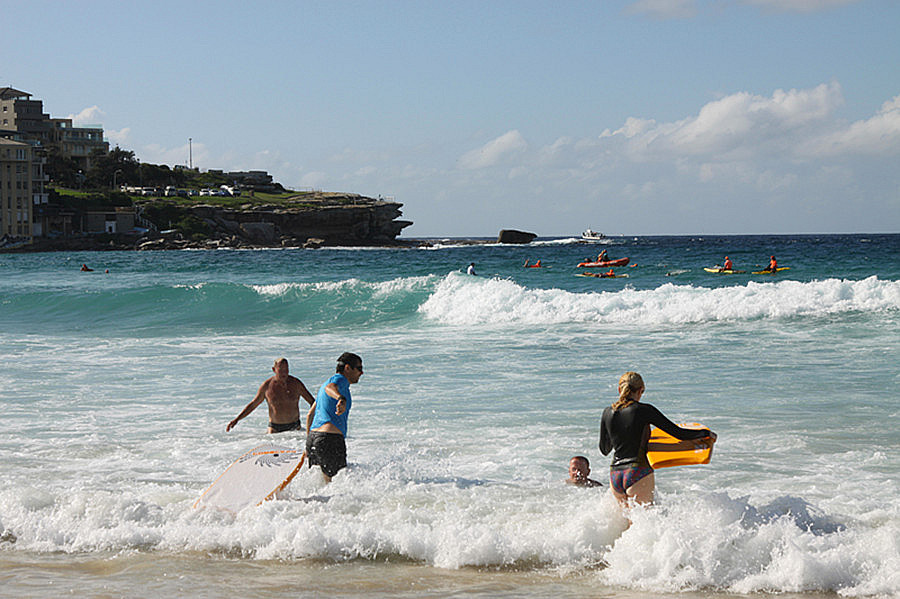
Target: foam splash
{"x": 688, "y": 542}
{"x": 400, "y": 285}
{"x": 460, "y": 300}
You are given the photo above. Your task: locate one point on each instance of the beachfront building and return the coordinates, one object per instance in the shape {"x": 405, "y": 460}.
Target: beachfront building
{"x": 77, "y": 143}
{"x": 21, "y": 114}
{"x": 16, "y": 202}
{"x": 116, "y": 219}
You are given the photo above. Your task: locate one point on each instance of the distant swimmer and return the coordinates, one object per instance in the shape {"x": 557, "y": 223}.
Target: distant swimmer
{"x": 579, "y": 469}
{"x": 327, "y": 418}
{"x": 535, "y": 265}
{"x": 624, "y": 430}
{"x": 84, "y": 268}
{"x": 282, "y": 393}
{"x": 471, "y": 269}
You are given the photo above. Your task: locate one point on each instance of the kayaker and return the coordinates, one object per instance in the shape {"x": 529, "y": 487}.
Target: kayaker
{"x": 773, "y": 264}
{"x": 728, "y": 264}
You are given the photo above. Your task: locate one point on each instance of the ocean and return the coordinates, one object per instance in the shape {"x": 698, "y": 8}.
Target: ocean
{"x": 116, "y": 388}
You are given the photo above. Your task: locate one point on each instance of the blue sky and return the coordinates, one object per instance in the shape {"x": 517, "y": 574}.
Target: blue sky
{"x": 631, "y": 117}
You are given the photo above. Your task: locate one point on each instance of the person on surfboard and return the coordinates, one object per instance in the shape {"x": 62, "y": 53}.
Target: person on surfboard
{"x": 579, "y": 469}
{"x": 282, "y": 393}
{"x": 624, "y": 430}
{"x": 327, "y": 418}
{"x": 773, "y": 264}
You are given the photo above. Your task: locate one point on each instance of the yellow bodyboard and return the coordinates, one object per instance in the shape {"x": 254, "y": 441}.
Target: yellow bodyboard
{"x": 665, "y": 451}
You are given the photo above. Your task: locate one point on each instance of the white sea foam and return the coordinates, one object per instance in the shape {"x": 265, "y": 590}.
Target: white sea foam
{"x": 690, "y": 541}
{"x": 402, "y": 284}
{"x": 463, "y": 300}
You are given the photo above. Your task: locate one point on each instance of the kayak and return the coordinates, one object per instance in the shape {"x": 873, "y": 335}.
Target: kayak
{"x": 719, "y": 271}
{"x": 769, "y": 272}
{"x": 601, "y": 275}
{"x": 607, "y": 263}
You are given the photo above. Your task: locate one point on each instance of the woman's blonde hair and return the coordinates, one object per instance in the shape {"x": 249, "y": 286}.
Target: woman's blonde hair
{"x": 629, "y": 384}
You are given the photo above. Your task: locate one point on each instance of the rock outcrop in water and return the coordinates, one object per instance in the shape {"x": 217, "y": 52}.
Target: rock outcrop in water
{"x": 513, "y": 236}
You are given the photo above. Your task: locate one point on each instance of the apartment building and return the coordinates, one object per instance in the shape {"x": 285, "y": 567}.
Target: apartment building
{"x": 16, "y": 202}
{"x": 77, "y": 142}
{"x": 19, "y": 113}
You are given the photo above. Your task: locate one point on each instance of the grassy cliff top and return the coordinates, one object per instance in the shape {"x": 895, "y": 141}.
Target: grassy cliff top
{"x": 288, "y": 199}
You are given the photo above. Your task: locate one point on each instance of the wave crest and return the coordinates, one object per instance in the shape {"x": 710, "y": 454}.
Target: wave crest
{"x": 461, "y": 300}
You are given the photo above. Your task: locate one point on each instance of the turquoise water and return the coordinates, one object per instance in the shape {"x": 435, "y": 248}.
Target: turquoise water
{"x": 116, "y": 388}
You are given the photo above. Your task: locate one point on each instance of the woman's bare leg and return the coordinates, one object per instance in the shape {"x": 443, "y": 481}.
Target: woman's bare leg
{"x": 642, "y": 490}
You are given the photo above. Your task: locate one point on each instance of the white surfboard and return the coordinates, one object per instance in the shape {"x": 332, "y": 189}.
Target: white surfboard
{"x": 253, "y": 478}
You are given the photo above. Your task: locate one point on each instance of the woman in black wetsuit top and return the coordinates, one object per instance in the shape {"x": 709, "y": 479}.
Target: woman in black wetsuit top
{"x": 625, "y": 428}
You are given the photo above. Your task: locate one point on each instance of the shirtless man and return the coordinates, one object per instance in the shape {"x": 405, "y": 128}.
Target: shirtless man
{"x": 579, "y": 469}
{"x": 282, "y": 392}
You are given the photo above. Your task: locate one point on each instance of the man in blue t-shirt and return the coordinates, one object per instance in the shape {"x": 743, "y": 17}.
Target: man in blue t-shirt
{"x": 327, "y": 418}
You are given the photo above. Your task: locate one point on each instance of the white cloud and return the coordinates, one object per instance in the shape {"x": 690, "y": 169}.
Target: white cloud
{"x": 494, "y": 151}
{"x": 799, "y": 6}
{"x": 738, "y": 126}
{"x": 632, "y": 127}
{"x": 89, "y": 116}
{"x": 157, "y": 154}
{"x": 313, "y": 180}
{"x": 877, "y": 136}
{"x": 118, "y": 138}
{"x": 664, "y": 9}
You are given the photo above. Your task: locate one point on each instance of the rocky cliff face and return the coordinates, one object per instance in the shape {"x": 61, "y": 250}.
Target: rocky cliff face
{"x": 309, "y": 220}
{"x": 323, "y": 219}
{"x": 332, "y": 219}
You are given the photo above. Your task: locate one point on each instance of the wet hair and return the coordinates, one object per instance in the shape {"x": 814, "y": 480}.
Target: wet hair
{"x": 629, "y": 384}
{"x": 278, "y": 361}
{"x": 581, "y": 459}
{"x": 348, "y": 359}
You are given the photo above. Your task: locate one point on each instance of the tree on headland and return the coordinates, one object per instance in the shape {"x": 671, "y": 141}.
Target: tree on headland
{"x": 117, "y": 165}
{"x": 62, "y": 169}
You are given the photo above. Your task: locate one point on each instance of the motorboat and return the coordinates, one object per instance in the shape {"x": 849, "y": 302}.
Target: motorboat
{"x": 591, "y": 235}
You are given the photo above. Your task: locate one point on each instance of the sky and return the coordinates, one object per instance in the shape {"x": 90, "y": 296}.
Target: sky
{"x": 647, "y": 117}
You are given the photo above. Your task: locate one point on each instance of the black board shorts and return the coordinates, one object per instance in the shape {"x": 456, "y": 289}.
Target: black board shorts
{"x": 327, "y": 450}
{"x": 281, "y": 427}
